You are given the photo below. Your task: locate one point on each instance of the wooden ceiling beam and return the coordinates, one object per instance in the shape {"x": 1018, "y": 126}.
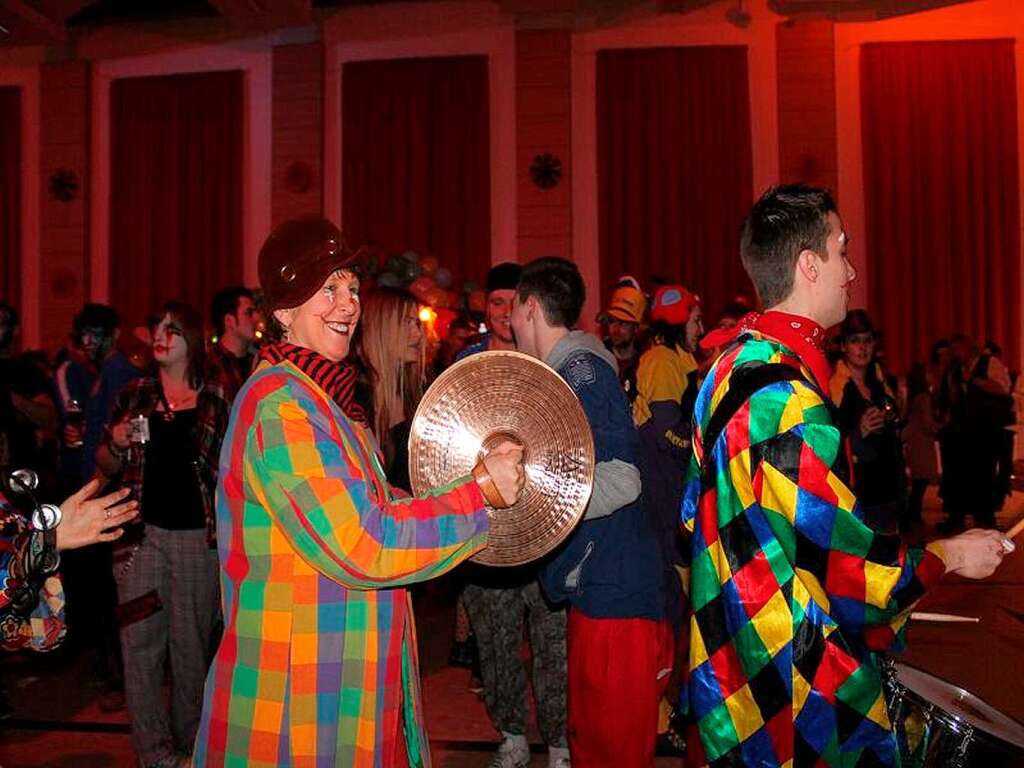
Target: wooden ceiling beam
{"x": 856, "y": 10}
{"x": 681, "y": 6}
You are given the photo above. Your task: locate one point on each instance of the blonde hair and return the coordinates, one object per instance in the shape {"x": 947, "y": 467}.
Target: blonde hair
{"x": 381, "y": 349}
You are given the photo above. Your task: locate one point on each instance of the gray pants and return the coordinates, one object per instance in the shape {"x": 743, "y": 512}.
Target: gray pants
{"x": 497, "y": 617}
{"x": 184, "y": 572}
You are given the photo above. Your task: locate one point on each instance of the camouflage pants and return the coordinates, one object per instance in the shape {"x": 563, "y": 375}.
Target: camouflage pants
{"x": 497, "y": 617}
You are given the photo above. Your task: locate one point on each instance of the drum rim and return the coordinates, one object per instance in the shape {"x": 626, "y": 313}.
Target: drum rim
{"x": 955, "y": 722}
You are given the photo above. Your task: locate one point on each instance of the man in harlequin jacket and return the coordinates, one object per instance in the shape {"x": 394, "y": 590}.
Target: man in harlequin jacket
{"x": 792, "y": 595}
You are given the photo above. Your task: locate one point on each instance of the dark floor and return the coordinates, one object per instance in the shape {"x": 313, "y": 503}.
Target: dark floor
{"x": 58, "y": 721}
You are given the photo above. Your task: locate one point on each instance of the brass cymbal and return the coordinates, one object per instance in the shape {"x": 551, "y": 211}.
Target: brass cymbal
{"x": 484, "y": 400}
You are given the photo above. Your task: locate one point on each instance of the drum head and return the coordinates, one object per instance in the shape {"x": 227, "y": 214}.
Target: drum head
{"x": 962, "y": 705}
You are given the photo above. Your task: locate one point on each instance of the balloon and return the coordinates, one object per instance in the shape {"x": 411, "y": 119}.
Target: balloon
{"x": 429, "y": 266}
{"x": 389, "y": 280}
{"x": 443, "y": 277}
{"x": 421, "y": 286}
{"x": 478, "y": 301}
{"x": 469, "y": 286}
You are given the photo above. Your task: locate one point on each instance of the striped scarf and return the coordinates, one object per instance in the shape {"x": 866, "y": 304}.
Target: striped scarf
{"x": 338, "y": 380}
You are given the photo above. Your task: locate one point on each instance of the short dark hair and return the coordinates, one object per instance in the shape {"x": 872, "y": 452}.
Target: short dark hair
{"x": 784, "y": 222}
{"x": 558, "y": 286}
{"x": 225, "y": 302}
{"x": 96, "y": 316}
{"x": 503, "y": 277}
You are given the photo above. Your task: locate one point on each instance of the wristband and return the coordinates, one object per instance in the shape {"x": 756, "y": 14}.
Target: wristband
{"x": 490, "y": 491}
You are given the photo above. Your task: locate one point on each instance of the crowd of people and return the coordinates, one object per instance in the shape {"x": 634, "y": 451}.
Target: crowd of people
{"x": 257, "y": 536}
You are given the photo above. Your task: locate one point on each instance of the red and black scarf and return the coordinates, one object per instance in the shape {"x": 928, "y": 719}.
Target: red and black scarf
{"x": 338, "y": 380}
{"x": 801, "y": 334}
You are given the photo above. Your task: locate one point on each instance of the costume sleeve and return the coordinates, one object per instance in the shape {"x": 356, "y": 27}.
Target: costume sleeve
{"x": 31, "y": 605}
{"x": 212, "y": 421}
{"x": 866, "y": 581}
{"x": 315, "y": 487}
{"x": 616, "y": 477}
{"x": 661, "y": 382}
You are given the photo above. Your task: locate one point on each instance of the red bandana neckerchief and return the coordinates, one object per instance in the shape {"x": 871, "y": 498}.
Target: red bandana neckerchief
{"x": 802, "y": 335}
{"x": 338, "y": 380}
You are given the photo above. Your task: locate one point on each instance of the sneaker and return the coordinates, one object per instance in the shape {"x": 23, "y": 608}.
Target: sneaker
{"x": 561, "y": 762}
{"x": 511, "y": 754}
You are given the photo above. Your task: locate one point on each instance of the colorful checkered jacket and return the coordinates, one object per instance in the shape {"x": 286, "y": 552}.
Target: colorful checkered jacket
{"x": 791, "y": 593}
{"x": 318, "y": 665}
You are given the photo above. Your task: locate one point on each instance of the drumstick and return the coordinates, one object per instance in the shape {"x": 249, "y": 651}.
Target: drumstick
{"x": 1017, "y": 528}
{"x": 944, "y": 617}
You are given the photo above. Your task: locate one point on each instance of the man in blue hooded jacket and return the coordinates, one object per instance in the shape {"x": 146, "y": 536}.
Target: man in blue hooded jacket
{"x": 611, "y": 570}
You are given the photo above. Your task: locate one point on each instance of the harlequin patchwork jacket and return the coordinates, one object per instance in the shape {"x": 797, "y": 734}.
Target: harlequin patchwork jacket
{"x": 791, "y": 593}
{"x": 318, "y": 666}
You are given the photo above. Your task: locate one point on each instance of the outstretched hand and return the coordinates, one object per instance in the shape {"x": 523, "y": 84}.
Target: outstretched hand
{"x": 85, "y": 520}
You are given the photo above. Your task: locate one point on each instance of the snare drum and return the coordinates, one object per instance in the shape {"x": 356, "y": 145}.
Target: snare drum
{"x": 940, "y": 725}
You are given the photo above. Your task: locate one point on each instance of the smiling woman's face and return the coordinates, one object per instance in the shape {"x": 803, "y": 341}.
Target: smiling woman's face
{"x": 327, "y": 320}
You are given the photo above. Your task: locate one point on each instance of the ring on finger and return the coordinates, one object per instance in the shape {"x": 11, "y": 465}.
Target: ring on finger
{"x": 106, "y": 513}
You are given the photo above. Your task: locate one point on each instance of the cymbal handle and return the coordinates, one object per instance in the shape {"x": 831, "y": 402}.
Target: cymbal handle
{"x": 490, "y": 491}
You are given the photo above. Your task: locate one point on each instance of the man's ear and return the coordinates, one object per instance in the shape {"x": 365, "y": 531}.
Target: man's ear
{"x": 532, "y": 307}
{"x": 807, "y": 263}
{"x": 230, "y": 322}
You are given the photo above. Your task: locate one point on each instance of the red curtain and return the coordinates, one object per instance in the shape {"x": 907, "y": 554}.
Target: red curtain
{"x": 10, "y": 195}
{"x": 176, "y": 189}
{"x": 941, "y": 193}
{"x": 674, "y": 167}
{"x": 416, "y": 159}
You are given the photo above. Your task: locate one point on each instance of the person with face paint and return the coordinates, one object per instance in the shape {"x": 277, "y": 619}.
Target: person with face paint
{"x": 94, "y": 332}
{"x": 166, "y": 568}
{"x": 318, "y": 662}
{"x": 89, "y": 584}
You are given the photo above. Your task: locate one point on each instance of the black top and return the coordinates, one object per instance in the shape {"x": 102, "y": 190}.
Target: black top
{"x": 170, "y": 486}
{"x": 878, "y": 473}
{"x": 397, "y": 469}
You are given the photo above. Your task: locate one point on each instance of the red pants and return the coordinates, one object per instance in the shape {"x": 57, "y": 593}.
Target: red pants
{"x": 614, "y": 689}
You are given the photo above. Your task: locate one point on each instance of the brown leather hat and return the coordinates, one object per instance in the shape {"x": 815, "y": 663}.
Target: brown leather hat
{"x": 297, "y": 257}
